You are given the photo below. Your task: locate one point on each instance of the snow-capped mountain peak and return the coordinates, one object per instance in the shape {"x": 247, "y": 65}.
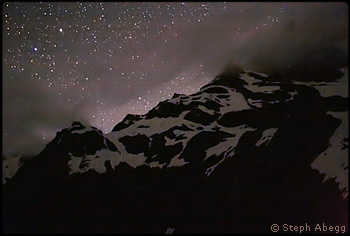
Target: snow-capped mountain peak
{"x": 245, "y": 144}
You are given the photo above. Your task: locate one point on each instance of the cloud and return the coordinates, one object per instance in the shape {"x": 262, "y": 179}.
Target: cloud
{"x": 32, "y": 112}
{"x": 311, "y": 34}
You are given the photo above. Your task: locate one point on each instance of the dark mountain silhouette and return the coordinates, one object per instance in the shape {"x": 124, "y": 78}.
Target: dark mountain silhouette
{"x": 234, "y": 157}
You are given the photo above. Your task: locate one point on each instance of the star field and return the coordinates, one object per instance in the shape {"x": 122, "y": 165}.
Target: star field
{"x": 97, "y": 62}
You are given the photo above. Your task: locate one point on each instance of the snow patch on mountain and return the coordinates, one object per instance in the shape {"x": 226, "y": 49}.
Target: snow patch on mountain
{"x": 235, "y": 102}
{"x": 292, "y": 94}
{"x": 262, "y": 89}
{"x": 328, "y": 89}
{"x": 81, "y": 131}
{"x": 254, "y": 85}
{"x": 10, "y": 166}
{"x": 74, "y": 163}
{"x": 334, "y": 162}
{"x": 158, "y": 125}
{"x": 226, "y": 147}
{"x": 133, "y": 160}
{"x": 228, "y": 142}
{"x": 255, "y": 103}
{"x": 266, "y": 137}
{"x": 177, "y": 162}
{"x": 206, "y": 110}
{"x": 258, "y": 73}
{"x": 156, "y": 164}
{"x": 95, "y": 162}
{"x": 249, "y": 79}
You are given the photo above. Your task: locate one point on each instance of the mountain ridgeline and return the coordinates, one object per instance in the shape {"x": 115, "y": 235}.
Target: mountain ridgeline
{"x": 246, "y": 151}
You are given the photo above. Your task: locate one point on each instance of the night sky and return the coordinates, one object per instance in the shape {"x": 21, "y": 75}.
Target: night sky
{"x": 97, "y": 62}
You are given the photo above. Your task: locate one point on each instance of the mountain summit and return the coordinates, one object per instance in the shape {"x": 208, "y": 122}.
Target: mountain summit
{"x": 247, "y": 151}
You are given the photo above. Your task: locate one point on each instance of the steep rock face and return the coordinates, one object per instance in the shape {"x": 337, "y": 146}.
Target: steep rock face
{"x": 80, "y": 140}
{"x": 247, "y": 146}
{"x": 74, "y": 150}
{"x": 232, "y": 99}
{"x": 127, "y": 121}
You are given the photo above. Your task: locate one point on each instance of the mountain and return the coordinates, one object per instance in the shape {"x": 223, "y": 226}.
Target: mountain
{"x": 247, "y": 151}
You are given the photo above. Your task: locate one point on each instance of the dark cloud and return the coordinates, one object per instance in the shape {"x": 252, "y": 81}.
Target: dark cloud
{"x": 30, "y": 112}
{"x": 311, "y": 33}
